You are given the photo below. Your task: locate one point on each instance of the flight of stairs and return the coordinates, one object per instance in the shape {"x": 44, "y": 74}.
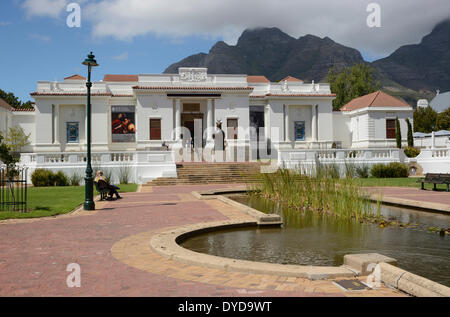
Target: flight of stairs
{"x": 211, "y": 173}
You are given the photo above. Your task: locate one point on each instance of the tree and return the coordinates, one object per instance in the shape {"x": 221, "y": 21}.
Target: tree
{"x": 14, "y": 101}
{"x": 443, "y": 120}
{"x": 17, "y": 139}
{"x": 10, "y": 161}
{"x": 425, "y": 119}
{"x": 398, "y": 133}
{"x": 410, "y": 133}
{"x": 351, "y": 83}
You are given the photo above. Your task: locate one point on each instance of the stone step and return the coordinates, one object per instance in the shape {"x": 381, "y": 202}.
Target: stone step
{"x": 211, "y": 173}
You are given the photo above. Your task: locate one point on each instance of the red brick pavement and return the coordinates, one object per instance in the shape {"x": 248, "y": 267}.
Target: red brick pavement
{"x": 34, "y": 255}
{"x": 415, "y": 194}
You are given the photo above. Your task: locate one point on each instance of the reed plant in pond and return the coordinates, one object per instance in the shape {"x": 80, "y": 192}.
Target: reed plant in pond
{"x": 324, "y": 193}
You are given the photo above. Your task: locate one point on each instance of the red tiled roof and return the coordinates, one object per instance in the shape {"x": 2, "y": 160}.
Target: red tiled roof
{"x": 75, "y": 77}
{"x": 118, "y": 78}
{"x": 375, "y": 99}
{"x": 191, "y": 88}
{"x": 23, "y": 109}
{"x": 257, "y": 79}
{"x": 68, "y": 94}
{"x": 293, "y": 95}
{"x": 4, "y": 104}
{"x": 290, "y": 78}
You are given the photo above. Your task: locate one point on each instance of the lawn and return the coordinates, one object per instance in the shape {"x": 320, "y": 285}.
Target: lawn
{"x": 396, "y": 182}
{"x": 51, "y": 201}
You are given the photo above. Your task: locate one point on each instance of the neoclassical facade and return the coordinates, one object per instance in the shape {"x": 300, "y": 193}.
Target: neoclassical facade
{"x": 172, "y": 108}
{"x": 151, "y": 121}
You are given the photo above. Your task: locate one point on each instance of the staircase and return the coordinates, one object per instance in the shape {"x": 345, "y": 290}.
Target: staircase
{"x": 211, "y": 173}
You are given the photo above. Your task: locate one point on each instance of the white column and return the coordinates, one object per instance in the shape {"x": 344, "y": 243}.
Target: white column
{"x": 56, "y": 125}
{"x": 286, "y": 123}
{"x": 209, "y": 120}
{"x": 314, "y": 123}
{"x": 177, "y": 119}
{"x": 267, "y": 123}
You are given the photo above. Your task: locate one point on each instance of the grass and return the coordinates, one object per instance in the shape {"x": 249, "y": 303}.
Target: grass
{"x": 52, "y": 201}
{"x": 395, "y": 182}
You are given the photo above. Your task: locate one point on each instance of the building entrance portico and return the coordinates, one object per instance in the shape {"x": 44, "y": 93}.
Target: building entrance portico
{"x": 192, "y": 134}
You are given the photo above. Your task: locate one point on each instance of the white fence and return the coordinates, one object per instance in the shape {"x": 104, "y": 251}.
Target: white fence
{"x": 431, "y": 161}
{"x": 142, "y": 166}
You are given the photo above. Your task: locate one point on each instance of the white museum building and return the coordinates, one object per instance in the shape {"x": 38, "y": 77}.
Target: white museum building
{"x": 152, "y": 121}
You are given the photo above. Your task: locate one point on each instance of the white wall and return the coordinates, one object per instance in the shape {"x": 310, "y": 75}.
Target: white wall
{"x": 368, "y": 127}
{"x": 341, "y": 129}
{"x": 26, "y": 120}
{"x": 5, "y": 120}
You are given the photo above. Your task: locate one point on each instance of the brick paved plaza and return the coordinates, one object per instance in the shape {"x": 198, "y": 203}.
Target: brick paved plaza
{"x": 112, "y": 247}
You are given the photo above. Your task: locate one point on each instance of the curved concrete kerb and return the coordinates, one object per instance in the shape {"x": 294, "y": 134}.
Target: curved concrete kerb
{"x": 166, "y": 244}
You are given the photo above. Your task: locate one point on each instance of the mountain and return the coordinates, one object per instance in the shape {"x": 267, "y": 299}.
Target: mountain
{"x": 274, "y": 54}
{"x": 423, "y": 66}
{"x": 412, "y": 72}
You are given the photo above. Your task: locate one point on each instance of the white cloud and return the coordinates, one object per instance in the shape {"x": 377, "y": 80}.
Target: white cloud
{"x": 5, "y": 23}
{"x": 121, "y": 57}
{"x": 403, "y": 22}
{"x": 44, "y": 8}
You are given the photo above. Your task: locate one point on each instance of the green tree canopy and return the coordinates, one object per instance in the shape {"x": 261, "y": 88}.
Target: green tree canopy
{"x": 351, "y": 83}
{"x": 425, "y": 119}
{"x": 14, "y": 101}
{"x": 443, "y": 120}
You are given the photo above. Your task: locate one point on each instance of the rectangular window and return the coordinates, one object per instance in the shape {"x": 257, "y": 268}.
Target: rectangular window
{"x": 232, "y": 129}
{"x": 390, "y": 129}
{"x": 155, "y": 129}
{"x": 299, "y": 131}
{"x": 73, "y": 132}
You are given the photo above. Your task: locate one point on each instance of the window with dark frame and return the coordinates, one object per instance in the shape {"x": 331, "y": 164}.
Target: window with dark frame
{"x": 390, "y": 129}
{"x": 232, "y": 129}
{"x": 155, "y": 129}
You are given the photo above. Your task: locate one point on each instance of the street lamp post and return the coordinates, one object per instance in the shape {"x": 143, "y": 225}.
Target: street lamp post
{"x": 88, "y": 181}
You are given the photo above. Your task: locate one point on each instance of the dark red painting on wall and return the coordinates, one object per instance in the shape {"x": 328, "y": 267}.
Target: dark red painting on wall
{"x": 123, "y": 124}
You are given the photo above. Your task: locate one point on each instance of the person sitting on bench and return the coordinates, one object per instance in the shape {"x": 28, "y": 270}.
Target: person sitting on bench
{"x": 112, "y": 188}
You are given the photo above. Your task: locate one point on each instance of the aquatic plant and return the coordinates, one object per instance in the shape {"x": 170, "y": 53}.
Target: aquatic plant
{"x": 324, "y": 193}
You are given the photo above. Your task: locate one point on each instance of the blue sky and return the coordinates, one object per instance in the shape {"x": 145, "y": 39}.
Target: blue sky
{"x": 41, "y": 48}
{"x": 146, "y": 36}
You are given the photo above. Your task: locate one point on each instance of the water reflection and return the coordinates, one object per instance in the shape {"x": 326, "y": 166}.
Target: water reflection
{"x": 308, "y": 239}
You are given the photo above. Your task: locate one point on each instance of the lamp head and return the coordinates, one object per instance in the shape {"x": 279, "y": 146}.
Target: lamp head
{"x": 90, "y": 61}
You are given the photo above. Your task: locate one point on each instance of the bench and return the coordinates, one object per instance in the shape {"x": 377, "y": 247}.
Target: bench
{"x": 435, "y": 178}
{"x": 102, "y": 188}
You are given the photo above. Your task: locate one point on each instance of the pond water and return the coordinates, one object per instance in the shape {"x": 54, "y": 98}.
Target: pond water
{"x": 306, "y": 239}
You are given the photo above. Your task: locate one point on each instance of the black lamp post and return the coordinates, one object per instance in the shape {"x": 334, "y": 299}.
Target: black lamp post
{"x": 88, "y": 181}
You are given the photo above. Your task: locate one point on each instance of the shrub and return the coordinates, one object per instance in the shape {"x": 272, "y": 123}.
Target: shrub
{"x": 362, "y": 171}
{"x": 42, "y": 178}
{"x": 350, "y": 170}
{"x": 124, "y": 173}
{"x": 108, "y": 174}
{"x": 60, "y": 179}
{"x": 75, "y": 179}
{"x": 411, "y": 151}
{"x": 392, "y": 170}
{"x": 45, "y": 178}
